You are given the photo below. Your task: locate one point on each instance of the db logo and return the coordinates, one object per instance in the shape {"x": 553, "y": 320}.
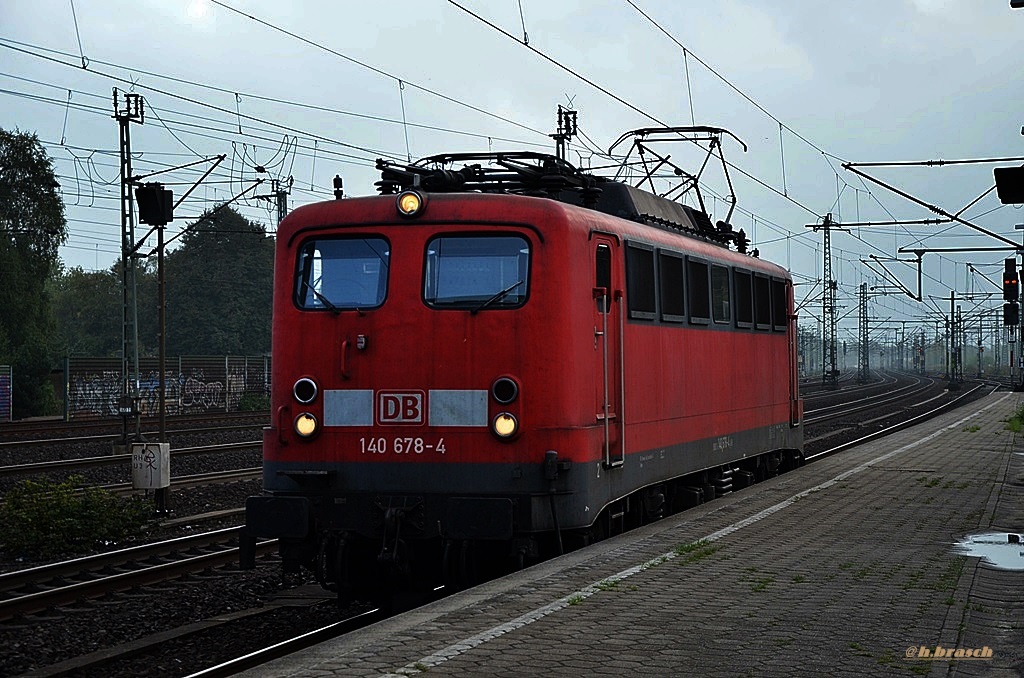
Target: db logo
{"x": 399, "y": 407}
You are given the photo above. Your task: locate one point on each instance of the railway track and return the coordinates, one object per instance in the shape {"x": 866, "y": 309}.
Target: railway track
{"x": 41, "y": 588}
{"x": 919, "y": 386}
{"x": 32, "y": 443}
{"x": 881, "y": 381}
{"x": 25, "y": 431}
{"x": 906, "y": 423}
{"x": 120, "y": 459}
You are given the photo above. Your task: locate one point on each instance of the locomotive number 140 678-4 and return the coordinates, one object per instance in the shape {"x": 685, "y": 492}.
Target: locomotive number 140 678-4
{"x": 400, "y": 446}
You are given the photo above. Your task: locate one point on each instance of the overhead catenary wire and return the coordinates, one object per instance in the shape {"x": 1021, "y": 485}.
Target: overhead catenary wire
{"x": 619, "y": 99}
{"x": 306, "y": 106}
{"x": 379, "y": 71}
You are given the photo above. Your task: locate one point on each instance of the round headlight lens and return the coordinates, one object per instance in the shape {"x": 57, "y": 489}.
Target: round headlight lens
{"x": 306, "y": 424}
{"x": 505, "y": 425}
{"x": 305, "y": 390}
{"x": 410, "y": 203}
{"x": 504, "y": 390}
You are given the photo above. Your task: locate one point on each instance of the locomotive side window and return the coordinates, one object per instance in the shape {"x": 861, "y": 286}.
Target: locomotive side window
{"x": 342, "y": 273}
{"x": 699, "y": 292}
{"x": 720, "y": 298}
{"x": 640, "y": 288}
{"x": 779, "y": 303}
{"x": 476, "y": 272}
{"x": 762, "y": 302}
{"x": 670, "y": 274}
{"x": 603, "y": 274}
{"x": 742, "y": 283}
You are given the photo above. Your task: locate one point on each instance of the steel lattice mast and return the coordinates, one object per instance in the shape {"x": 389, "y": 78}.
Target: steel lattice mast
{"x": 830, "y": 370}
{"x": 863, "y": 367}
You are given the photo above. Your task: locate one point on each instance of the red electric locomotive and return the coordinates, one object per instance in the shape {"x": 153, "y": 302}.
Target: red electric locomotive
{"x": 487, "y": 364}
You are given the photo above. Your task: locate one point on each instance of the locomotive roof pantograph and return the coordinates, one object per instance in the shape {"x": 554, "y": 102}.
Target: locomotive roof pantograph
{"x": 548, "y": 176}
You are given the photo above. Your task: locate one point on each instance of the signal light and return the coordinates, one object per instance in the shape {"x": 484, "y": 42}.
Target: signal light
{"x": 505, "y": 425}
{"x": 156, "y": 204}
{"x": 1011, "y": 284}
{"x": 1009, "y": 183}
{"x": 1011, "y": 314}
{"x": 410, "y": 203}
{"x": 305, "y": 390}
{"x": 306, "y": 425}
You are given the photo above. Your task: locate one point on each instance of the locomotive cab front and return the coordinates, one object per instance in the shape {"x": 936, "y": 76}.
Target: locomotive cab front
{"x": 414, "y": 399}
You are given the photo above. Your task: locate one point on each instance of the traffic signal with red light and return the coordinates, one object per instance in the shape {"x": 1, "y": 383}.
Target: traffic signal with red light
{"x": 1011, "y": 285}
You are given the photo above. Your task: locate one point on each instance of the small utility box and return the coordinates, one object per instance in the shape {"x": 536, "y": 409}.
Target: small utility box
{"x": 151, "y": 466}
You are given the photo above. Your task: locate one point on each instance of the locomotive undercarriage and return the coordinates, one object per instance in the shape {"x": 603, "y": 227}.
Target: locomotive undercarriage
{"x": 386, "y": 547}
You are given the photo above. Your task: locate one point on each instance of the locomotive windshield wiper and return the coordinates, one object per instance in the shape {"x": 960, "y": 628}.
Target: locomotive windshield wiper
{"x": 497, "y": 297}
{"x": 324, "y": 300}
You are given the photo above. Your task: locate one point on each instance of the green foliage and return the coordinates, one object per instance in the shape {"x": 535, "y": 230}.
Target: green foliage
{"x": 219, "y": 287}
{"x": 87, "y": 308}
{"x": 254, "y": 402}
{"x": 44, "y": 519}
{"x": 1016, "y": 422}
{"x": 695, "y": 551}
{"x": 32, "y": 228}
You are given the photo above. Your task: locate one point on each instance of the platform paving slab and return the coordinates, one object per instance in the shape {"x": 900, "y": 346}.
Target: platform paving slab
{"x": 843, "y": 567}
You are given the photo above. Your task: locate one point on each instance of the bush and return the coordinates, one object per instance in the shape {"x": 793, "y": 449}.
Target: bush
{"x": 254, "y": 402}
{"x": 45, "y": 519}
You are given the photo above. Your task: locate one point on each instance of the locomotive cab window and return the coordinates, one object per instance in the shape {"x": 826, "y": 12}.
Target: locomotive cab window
{"x": 342, "y": 273}
{"x": 476, "y": 272}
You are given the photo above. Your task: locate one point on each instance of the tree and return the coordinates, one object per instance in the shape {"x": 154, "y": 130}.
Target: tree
{"x": 87, "y": 310}
{"x": 32, "y": 229}
{"x": 219, "y": 287}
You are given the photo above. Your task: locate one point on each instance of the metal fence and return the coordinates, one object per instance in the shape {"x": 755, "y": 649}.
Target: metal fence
{"x": 6, "y": 391}
{"x": 194, "y": 384}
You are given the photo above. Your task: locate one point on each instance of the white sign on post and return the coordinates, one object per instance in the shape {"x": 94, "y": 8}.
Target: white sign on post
{"x": 151, "y": 466}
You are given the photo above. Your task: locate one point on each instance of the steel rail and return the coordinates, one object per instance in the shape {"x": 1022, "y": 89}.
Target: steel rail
{"x": 900, "y": 426}
{"x": 113, "y": 437}
{"x": 195, "y": 480}
{"x": 46, "y": 425}
{"x": 118, "y": 459}
{"x": 842, "y": 409}
{"x": 28, "y": 603}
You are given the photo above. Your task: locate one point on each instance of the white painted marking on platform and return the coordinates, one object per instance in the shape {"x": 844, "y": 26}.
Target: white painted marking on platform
{"x": 462, "y": 646}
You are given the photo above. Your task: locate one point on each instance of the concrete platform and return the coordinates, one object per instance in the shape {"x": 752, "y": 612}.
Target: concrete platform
{"x": 844, "y": 567}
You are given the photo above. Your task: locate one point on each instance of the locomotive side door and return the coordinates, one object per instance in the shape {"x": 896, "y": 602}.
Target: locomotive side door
{"x": 609, "y": 319}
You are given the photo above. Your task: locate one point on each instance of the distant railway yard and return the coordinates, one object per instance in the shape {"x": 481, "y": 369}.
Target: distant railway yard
{"x": 134, "y": 607}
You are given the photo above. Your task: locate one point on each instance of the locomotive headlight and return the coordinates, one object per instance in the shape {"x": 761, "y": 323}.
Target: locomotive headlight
{"x": 410, "y": 203}
{"x": 504, "y": 390}
{"x": 505, "y": 425}
{"x": 306, "y": 425}
{"x": 305, "y": 390}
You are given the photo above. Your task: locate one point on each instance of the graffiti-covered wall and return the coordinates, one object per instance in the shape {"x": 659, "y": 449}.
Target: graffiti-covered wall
{"x": 193, "y": 385}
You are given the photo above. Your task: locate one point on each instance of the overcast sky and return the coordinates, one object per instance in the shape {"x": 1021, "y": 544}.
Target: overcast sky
{"x": 866, "y": 81}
